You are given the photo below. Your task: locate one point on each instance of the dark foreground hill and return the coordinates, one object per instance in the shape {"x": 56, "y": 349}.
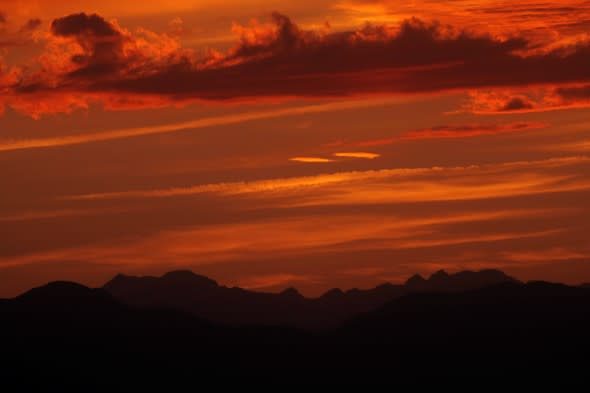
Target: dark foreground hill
{"x": 204, "y": 298}
{"x": 66, "y": 336}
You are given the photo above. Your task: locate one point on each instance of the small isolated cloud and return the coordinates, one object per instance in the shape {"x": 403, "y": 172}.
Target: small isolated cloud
{"x": 311, "y": 159}
{"x": 517, "y": 104}
{"x": 31, "y": 25}
{"x": 365, "y": 155}
{"x": 176, "y": 27}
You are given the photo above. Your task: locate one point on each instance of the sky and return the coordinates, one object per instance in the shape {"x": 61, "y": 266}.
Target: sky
{"x": 274, "y": 144}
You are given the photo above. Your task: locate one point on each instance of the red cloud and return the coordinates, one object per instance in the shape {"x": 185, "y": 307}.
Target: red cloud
{"x": 454, "y": 131}
{"x": 542, "y": 99}
{"x": 470, "y": 130}
{"x": 517, "y": 104}
{"x": 574, "y": 93}
{"x": 101, "y": 44}
{"x": 108, "y": 64}
{"x": 9, "y": 37}
{"x": 31, "y": 25}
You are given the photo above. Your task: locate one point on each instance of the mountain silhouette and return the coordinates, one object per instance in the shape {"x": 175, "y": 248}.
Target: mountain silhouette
{"x": 205, "y": 298}
{"x": 64, "y": 296}
{"x": 505, "y": 328}
{"x": 64, "y": 336}
{"x": 67, "y": 337}
{"x": 441, "y": 281}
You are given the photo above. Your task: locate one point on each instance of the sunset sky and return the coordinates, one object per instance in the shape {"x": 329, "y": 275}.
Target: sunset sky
{"x": 314, "y": 144}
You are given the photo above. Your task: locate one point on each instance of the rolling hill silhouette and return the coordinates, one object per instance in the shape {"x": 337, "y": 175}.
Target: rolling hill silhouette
{"x": 64, "y": 336}
{"x": 203, "y": 297}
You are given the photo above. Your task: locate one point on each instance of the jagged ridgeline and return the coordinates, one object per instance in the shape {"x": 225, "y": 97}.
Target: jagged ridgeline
{"x": 153, "y": 333}
{"x": 205, "y": 298}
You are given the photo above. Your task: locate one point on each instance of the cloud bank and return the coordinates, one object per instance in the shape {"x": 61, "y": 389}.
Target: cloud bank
{"x": 90, "y": 59}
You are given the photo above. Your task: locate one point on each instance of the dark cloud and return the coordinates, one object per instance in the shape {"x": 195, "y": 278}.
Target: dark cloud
{"x": 82, "y": 24}
{"x": 101, "y": 42}
{"x": 287, "y": 61}
{"x": 32, "y": 24}
{"x": 574, "y": 93}
{"x": 516, "y": 104}
{"x": 418, "y": 57}
{"x": 288, "y": 37}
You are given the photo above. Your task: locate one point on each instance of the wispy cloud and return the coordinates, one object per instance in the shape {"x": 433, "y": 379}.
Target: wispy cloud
{"x": 368, "y": 156}
{"x": 545, "y": 255}
{"x": 577, "y": 146}
{"x": 471, "y": 130}
{"x": 9, "y": 145}
{"x": 412, "y": 184}
{"x": 267, "y": 281}
{"x": 311, "y": 160}
{"x": 288, "y": 236}
{"x": 49, "y": 214}
{"x": 455, "y": 131}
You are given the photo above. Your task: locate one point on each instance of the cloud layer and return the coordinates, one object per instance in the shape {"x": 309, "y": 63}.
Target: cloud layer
{"x": 88, "y": 59}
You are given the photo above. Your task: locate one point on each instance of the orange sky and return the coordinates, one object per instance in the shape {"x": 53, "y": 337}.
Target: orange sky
{"x": 334, "y": 143}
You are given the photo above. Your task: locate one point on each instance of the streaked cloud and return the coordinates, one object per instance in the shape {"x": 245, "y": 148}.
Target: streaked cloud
{"x": 411, "y": 184}
{"x": 583, "y": 145}
{"x": 268, "y": 281}
{"x": 9, "y": 145}
{"x": 368, "y": 156}
{"x": 509, "y": 101}
{"x": 471, "y": 130}
{"x": 312, "y": 160}
{"x": 545, "y": 23}
{"x": 455, "y": 131}
{"x": 545, "y": 255}
{"x": 292, "y": 236}
{"x": 49, "y": 214}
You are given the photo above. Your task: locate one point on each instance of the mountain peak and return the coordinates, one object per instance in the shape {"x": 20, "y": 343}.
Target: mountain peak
{"x": 333, "y": 294}
{"x": 187, "y": 276}
{"x": 203, "y": 297}
{"x": 439, "y": 275}
{"x": 65, "y": 294}
{"x": 292, "y": 293}
{"x": 415, "y": 280}
{"x": 58, "y": 289}
{"x": 175, "y": 282}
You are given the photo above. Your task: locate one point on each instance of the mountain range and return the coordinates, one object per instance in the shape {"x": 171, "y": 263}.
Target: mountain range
{"x": 68, "y": 337}
{"x": 205, "y": 298}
